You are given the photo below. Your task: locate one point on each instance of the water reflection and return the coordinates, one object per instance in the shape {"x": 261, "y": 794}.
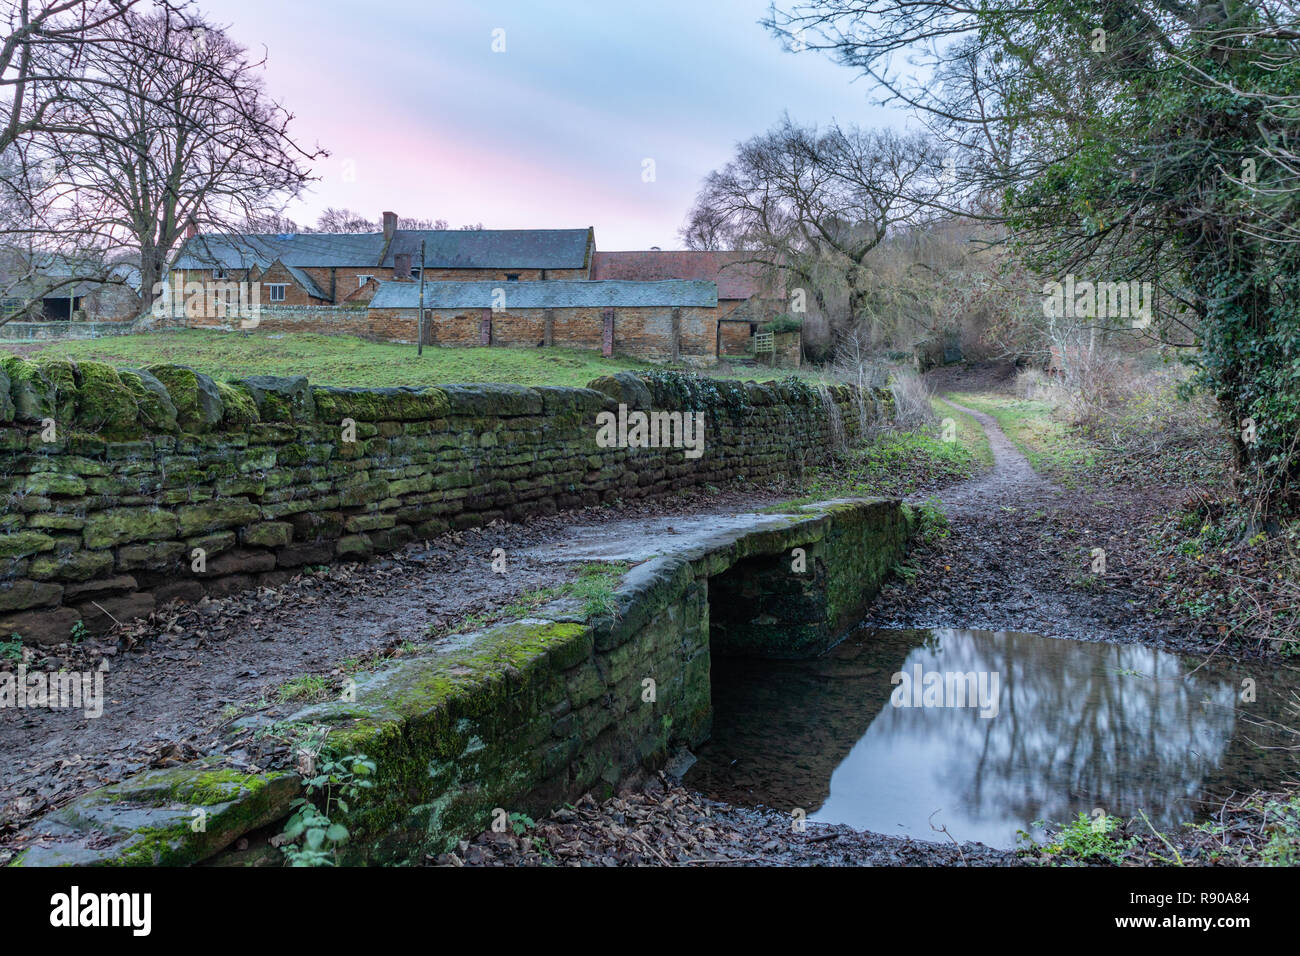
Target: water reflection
{"x": 1077, "y": 726}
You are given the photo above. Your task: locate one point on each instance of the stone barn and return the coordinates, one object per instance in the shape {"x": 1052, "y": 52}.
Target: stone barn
{"x": 659, "y": 321}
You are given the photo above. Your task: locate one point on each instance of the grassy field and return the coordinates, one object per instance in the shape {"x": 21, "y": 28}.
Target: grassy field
{"x": 345, "y": 360}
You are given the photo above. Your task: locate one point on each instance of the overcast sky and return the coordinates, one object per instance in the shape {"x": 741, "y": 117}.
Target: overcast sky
{"x": 422, "y": 117}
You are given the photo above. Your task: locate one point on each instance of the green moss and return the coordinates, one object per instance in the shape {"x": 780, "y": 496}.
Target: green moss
{"x": 155, "y": 409}
{"x": 32, "y": 391}
{"x": 419, "y": 718}
{"x": 77, "y": 566}
{"x": 217, "y": 786}
{"x": 380, "y": 404}
{"x": 104, "y": 404}
{"x": 151, "y": 847}
{"x": 20, "y": 370}
{"x": 240, "y": 409}
{"x": 23, "y": 543}
{"x": 196, "y": 396}
{"x": 112, "y": 526}
{"x": 62, "y": 376}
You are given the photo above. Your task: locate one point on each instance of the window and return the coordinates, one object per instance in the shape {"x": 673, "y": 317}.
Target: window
{"x": 275, "y": 291}
{"x": 362, "y": 280}
{"x": 512, "y": 276}
{"x": 415, "y": 272}
{"x": 219, "y": 274}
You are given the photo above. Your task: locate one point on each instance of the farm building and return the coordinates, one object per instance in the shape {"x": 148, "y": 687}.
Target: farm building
{"x": 660, "y": 321}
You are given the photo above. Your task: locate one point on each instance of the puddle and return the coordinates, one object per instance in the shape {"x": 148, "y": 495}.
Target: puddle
{"x": 1063, "y": 727}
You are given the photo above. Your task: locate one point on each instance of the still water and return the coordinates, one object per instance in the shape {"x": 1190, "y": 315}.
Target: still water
{"x": 1026, "y": 728}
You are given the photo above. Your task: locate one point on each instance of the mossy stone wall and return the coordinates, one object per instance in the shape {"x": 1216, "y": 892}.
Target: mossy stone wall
{"x": 115, "y": 480}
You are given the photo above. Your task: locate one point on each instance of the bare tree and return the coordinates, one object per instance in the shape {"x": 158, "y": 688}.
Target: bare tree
{"x": 1146, "y": 141}
{"x": 810, "y": 206}
{"x": 334, "y": 220}
{"x": 270, "y": 223}
{"x": 43, "y": 49}
{"x": 43, "y": 72}
{"x": 347, "y": 220}
{"x": 705, "y": 230}
{"x": 405, "y": 222}
{"x": 185, "y": 137}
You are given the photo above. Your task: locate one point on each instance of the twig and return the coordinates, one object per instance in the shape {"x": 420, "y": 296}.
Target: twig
{"x": 1177, "y": 856}
{"x": 101, "y": 607}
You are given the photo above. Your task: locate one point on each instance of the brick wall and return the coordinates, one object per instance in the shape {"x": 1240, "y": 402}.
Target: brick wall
{"x": 736, "y": 338}
{"x": 641, "y": 332}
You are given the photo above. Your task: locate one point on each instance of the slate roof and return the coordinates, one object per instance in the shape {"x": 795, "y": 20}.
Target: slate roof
{"x": 297, "y": 249}
{"x": 49, "y": 272}
{"x": 493, "y": 248}
{"x": 736, "y": 279}
{"x": 444, "y": 249}
{"x": 306, "y": 281}
{"x": 550, "y": 294}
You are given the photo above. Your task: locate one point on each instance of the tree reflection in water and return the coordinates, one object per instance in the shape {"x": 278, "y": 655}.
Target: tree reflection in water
{"x": 1079, "y": 726}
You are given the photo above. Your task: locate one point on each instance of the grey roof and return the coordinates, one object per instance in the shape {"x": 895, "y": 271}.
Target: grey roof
{"x": 297, "y": 249}
{"x": 35, "y": 276}
{"x": 492, "y": 248}
{"x": 306, "y": 281}
{"x": 547, "y": 294}
{"x": 444, "y": 249}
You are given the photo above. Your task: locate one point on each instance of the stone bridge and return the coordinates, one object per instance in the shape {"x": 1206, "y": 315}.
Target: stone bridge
{"x": 525, "y": 715}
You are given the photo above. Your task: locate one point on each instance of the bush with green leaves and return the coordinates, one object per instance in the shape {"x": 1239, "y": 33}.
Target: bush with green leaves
{"x": 312, "y": 837}
{"x": 784, "y": 323}
{"x": 1088, "y": 839}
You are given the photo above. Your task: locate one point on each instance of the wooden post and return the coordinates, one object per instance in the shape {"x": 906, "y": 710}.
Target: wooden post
{"x": 419, "y": 349}
{"x": 677, "y": 335}
{"x": 485, "y": 328}
{"x": 607, "y": 343}
{"x": 548, "y": 332}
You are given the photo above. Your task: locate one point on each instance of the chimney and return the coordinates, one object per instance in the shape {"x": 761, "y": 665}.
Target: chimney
{"x": 390, "y": 225}
{"x": 402, "y": 265}
{"x": 191, "y": 230}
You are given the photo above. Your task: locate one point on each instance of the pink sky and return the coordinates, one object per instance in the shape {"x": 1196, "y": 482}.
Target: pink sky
{"x": 422, "y": 117}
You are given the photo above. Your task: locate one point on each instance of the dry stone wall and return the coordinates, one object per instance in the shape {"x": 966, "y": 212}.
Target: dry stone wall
{"x": 123, "y": 489}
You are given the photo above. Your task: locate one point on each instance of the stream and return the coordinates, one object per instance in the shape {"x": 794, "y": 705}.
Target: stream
{"x": 983, "y": 734}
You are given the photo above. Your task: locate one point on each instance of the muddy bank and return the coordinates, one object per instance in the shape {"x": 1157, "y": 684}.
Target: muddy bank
{"x": 662, "y": 823}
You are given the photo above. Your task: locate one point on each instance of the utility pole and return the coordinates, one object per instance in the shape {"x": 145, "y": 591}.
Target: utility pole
{"x": 419, "y": 349}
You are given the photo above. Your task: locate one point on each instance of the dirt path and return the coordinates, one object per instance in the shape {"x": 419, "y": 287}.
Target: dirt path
{"x": 1019, "y": 557}
{"x": 176, "y": 682}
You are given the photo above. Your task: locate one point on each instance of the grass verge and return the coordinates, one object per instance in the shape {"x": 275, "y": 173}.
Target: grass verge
{"x": 1050, "y": 445}
{"x": 899, "y": 464}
